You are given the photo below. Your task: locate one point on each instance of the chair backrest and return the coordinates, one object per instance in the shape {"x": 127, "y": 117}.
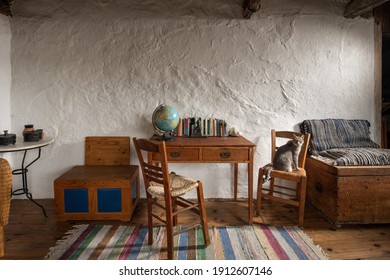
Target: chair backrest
{"x": 153, "y": 173}
{"x": 290, "y": 135}
{"x": 107, "y": 150}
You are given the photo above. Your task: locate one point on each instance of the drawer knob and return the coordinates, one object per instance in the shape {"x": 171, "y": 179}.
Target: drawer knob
{"x": 224, "y": 154}
{"x": 175, "y": 154}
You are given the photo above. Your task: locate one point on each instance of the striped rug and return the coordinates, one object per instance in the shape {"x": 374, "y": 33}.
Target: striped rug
{"x": 114, "y": 242}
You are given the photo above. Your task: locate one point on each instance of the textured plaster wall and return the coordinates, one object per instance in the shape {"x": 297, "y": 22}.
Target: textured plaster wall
{"x": 101, "y": 67}
{"x": 5, "y": 76}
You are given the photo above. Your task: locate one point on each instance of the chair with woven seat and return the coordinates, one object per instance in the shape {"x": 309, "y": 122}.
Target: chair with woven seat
{"x": 165, "y": 190}
{"x": 5, "y": 198}
{"x": 293, "y": 194}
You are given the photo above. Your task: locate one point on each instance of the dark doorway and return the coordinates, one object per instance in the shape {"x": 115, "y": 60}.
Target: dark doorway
{"x": 386, "y": 89}
{"x": 386, "y": 68}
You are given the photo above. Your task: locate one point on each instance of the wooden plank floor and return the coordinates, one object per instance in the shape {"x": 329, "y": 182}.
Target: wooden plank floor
{"x": 29, "y": 235}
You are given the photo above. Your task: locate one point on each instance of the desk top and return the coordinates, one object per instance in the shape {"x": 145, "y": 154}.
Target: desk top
{"x": 20, "y": 145}
{"x": 226, "y": 141}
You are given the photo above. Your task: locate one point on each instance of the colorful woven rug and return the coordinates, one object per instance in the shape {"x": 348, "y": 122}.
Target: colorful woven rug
{"x": 114, "y": 242}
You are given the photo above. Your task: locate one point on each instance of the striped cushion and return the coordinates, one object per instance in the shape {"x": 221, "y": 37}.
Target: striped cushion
{"x": 337, "y": 133}
{"x": 358, "y": 156}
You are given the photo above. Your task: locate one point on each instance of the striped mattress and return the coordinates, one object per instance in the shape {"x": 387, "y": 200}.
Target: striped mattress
{"x": 344, "y": 142}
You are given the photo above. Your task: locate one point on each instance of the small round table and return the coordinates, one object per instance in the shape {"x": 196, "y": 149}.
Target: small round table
{"x": 21, "y": 146}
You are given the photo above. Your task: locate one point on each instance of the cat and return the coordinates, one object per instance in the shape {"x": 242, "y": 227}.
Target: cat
{"x": 286, "y": 157}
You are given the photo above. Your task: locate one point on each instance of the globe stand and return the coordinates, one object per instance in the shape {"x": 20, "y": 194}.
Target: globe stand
{"x": 164, "y": 137}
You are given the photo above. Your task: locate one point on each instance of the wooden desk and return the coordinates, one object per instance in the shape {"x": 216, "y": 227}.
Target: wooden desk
{"x": 214, "y": 150}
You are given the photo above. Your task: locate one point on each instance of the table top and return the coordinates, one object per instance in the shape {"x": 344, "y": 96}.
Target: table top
{"x": 225, "y": 141}
{"x": 20, "y": 145}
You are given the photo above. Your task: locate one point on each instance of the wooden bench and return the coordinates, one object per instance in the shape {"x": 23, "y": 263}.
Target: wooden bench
{"x": 105, "y": 188}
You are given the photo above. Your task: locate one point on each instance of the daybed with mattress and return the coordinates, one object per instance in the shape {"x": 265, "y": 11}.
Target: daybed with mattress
{"x": 348, "y": 175}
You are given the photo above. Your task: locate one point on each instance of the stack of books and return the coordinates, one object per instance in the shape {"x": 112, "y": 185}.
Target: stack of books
{"x": 195, "y": 126}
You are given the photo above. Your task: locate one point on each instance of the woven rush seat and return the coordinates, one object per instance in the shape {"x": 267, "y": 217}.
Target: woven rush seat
{"x": 179, "y": 186}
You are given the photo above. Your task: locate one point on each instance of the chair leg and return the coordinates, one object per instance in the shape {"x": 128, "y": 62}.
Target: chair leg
{"x": 169, "y": 225}
{"x": 202, "y": 214}
{"x": 150, "y": 218}
{"x": 302, "y": 200}
{"x": 259, "y": 190}
{"x": 174, "y": 208}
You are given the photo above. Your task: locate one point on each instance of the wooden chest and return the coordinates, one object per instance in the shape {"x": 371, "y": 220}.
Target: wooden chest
{"x": 349, "y": 194}
{"x": 97, "y": 193}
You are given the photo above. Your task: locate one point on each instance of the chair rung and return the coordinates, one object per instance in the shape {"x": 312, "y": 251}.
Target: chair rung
{"x": 186, "y": 229}
{"x": 280, "y": 199}
{"x": 283, "y": 187}
{"x": 179, "y": 198}
{"x": 186, "y": 208}
{"x": 283, "y": 193}
{"x": 153, "y": 167}
{"x": 159, "y": 205}
{"x": 158, "y": 218}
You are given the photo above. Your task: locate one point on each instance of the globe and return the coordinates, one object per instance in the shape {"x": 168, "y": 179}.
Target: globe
{"x": 165, "y": 119}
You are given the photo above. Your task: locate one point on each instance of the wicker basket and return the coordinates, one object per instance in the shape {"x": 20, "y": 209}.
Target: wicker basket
{"x": 5, "y": 190}
{"x": 5, "y": 198}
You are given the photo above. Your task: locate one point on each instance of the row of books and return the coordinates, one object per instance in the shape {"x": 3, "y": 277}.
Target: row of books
{"x": 196, "y": 126}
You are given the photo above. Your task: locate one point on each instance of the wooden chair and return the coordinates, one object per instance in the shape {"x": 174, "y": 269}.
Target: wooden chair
{"x": 5, "y": 198}
{"x": 160, "y": 185}
{"x": 290, "y": 195}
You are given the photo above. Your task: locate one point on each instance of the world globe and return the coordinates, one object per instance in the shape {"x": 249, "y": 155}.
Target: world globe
{"x": 165, "y": 119}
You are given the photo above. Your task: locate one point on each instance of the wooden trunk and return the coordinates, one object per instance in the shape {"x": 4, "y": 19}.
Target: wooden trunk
{"x": 349, "y": 194}
{"x": 97, "y": 193}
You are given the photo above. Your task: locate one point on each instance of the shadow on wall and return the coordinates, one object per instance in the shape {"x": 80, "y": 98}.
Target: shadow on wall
{"x": 174, "y": 9}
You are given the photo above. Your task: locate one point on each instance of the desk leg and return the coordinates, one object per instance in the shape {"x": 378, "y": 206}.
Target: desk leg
{"x": 250, "y": 186}
{"x": 23, "y": 171}
{"x": 235, "y": 180}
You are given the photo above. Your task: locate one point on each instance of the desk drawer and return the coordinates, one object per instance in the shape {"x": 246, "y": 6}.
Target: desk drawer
{"x": 225, "y": 154}
{"x": 180, "y": 154}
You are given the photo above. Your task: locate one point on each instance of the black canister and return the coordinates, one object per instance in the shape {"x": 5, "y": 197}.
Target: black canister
{"x": 28, "y": 128}
{"x": 7, "y": 138}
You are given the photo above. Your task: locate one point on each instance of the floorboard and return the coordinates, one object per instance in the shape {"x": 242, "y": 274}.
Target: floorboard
{"x": 29, "y": 235}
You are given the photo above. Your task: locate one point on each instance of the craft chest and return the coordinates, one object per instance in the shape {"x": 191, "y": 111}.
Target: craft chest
{"x": 349, "y": 194}
{"x": 97, "y": 193}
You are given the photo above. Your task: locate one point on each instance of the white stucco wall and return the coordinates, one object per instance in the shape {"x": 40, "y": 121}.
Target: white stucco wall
{"x": 5, "y": 77}
{"x": 101, "y": 67}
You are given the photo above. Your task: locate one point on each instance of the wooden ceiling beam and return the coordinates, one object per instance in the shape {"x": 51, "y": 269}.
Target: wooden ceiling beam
{"x": 5, "y": 7}
{"x": 357, "y": 8}
{"x": 250, "y": 7}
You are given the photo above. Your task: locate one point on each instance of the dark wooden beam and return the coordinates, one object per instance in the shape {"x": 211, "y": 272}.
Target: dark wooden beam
{"x": 379, "y": 121}
{"x": 250, "y": 7}
{"x": 357, "y": 8}
{"x": 5, "y": 7}
{"x": 386, "y": 18}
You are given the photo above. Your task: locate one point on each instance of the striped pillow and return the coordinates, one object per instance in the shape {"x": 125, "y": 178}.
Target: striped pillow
{"x": 337, "y": 133}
